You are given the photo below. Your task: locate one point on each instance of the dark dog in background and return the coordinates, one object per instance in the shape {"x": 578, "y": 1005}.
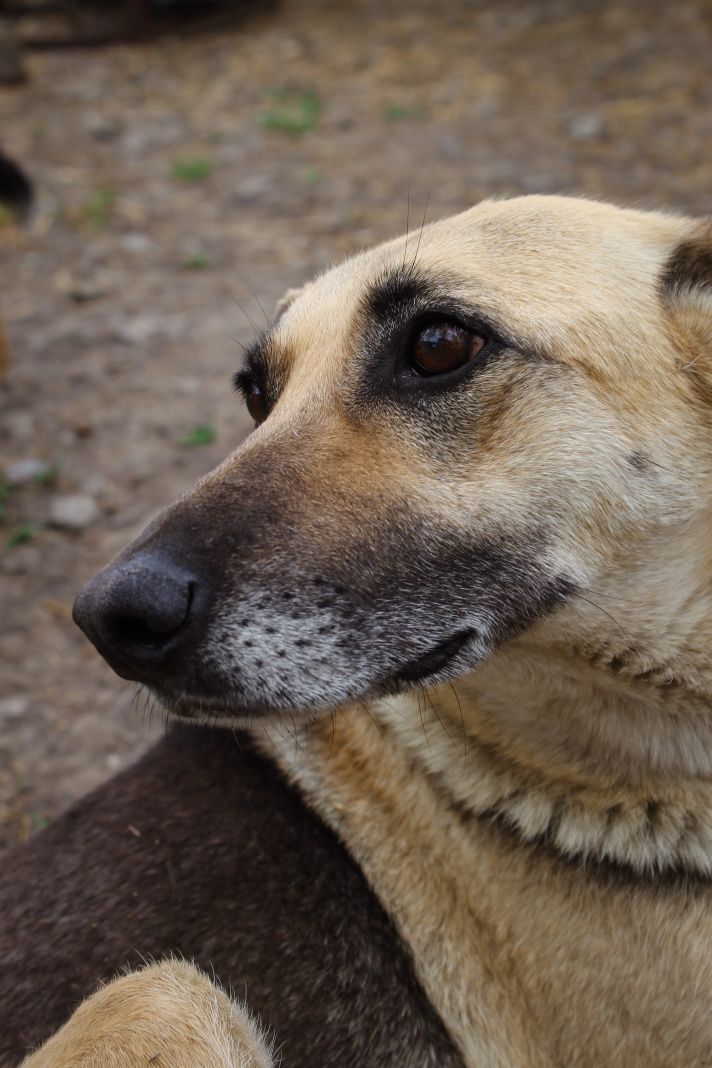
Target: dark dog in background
{"x": 16, "y": 196}
{"x": 202, "y": 827}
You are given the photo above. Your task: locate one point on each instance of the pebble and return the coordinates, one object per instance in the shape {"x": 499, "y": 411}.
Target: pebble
{"x": 27, "y": 470}
{"x": 13, "y": 707}
{"x": 137, "y": 243}
{"x": 144, "y": 328}
{"x": 102, "y": 127}
{"x": 253, "y": 188}
{"x": 585, "y": 127}
{"x": 73, "y": 511}
{"x": 19, "y": 424}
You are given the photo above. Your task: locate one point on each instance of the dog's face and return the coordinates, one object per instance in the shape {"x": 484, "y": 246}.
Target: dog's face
{"x": 458, "y": 435}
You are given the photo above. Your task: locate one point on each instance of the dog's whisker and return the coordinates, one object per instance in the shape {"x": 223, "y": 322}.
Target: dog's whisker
{"x": 270, "y": 739}
{"x": 134, "y": 700}
{"x": 254, "y": 296}
{"x": 407, "y": 230}
{"x": 420, "y": 235}
{"x": 294, "y": 736}
{"x": 237, "y": 341}
{"x": 243, "y": 309}
{"x": 605, "y": 613}
{"x": 421, "y": 710}
{"x": 429, "y": 699}
{"x": 365, "y": 706}
{"x": 462, "y": 719}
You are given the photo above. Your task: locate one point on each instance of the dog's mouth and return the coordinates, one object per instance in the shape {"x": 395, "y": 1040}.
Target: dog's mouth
{"x": 434, "y": 660}
{"x": 424, "y": 668}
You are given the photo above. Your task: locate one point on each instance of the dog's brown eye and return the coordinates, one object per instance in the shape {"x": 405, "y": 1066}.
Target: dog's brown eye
{"x": 255, "y": 401}
{"x": 443, "y": 347}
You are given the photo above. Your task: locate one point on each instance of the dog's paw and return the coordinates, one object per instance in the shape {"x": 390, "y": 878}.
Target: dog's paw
{"x": 168, "y": 1015}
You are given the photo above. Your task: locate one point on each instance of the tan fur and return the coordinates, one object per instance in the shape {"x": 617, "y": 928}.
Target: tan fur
{"x": 168, "y": 1015}
{"x": 485, "y": 815}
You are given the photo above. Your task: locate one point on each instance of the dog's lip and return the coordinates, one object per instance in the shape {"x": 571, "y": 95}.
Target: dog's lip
{"x": 434, "y": 659}
{"x": 189, "y": 705}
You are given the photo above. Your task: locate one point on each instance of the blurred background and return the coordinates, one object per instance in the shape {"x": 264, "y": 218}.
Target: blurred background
{"x": 190, "y": 163}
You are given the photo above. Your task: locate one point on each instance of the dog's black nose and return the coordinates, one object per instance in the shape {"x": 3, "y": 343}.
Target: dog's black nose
{"x": 136, "y": 612}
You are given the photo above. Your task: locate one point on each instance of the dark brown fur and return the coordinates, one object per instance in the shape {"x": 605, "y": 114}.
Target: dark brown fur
{"x": 203, "y": 851}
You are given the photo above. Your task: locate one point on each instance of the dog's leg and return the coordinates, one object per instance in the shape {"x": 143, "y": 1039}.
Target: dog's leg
{"x": 168, "y": 1015}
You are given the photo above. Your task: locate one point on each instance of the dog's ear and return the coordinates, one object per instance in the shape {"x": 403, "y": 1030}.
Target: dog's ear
{"x": 286, "y": 300}
{"x": 686, "y": 286}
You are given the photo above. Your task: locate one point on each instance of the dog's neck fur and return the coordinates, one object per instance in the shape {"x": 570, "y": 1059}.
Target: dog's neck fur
{"x": 604, "y": 754}
{"x": 592, "y": 732}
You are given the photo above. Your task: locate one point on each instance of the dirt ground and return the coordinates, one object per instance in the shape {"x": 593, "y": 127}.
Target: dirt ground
{"x": 177, "y": 177}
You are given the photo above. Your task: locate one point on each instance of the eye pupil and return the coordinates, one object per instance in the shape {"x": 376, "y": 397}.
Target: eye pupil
{"x": 255, "y": 401}
{"x": 443, "y": 347}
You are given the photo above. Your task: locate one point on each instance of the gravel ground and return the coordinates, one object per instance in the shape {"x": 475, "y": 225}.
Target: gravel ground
{"x": 178, "y": 178}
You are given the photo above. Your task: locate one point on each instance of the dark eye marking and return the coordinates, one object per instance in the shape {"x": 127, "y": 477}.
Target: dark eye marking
{"x": 419, "y": 337}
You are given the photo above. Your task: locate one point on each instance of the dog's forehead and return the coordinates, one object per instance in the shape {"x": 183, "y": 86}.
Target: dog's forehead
{"x": 547, "y": 268}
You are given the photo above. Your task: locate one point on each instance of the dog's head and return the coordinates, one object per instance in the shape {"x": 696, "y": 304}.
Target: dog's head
{"x": 458, "y": 435}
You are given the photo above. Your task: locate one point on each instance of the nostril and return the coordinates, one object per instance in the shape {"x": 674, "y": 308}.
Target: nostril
{"x": 147, "y": 608}
{"x": 160, "y": 618}
{"x": 135, "y": 631}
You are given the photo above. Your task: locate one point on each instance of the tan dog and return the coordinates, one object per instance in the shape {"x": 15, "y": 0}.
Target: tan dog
{"x": 474, "y": 523}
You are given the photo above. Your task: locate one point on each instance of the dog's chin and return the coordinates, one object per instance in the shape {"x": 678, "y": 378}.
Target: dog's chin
{"x": 446, "y": 660}
{"x": 212, "y": 711}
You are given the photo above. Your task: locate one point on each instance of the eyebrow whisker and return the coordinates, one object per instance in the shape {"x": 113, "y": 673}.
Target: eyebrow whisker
{"x": 256, "y": 299}
{"x": 420, "y": 235}
{"x": 251, "y": 321}
{"x": 237, "y": 341}
{"x": 407, "y": 230}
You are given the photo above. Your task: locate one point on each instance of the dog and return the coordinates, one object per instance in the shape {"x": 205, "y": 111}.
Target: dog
{"x": 16, "y": 196}
{"x": 456, "y": 587}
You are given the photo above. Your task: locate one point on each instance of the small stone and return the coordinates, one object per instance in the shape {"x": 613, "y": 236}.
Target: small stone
{"x": 73, "y": 511}
{"x": 19, "y": 425}
{"x": 586, "y": 127}
{"x": 137, "y": 243}
{"x": 13, "y": 707}
{"x": 146, "y": 328}
{"x": 188, "y": 385}
{"x": 23, "y": 471}
{"x": 253, "y": 188}
{"x": 102, "y": 127}
{"x": 452, "y": 146}
{"x": 87, "y": 287}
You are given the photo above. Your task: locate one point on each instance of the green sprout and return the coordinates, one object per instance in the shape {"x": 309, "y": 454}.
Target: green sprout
{"x": 191, "y": 169}
{"x": 22, "y": 534}
{"x": 203, "y": 434}
{"x": 197, "y": 262}
{"x": 397, "y": 112}
{"x": 48, "y": 476}
{"x": 292, "y": 112}
{"x": 98, "y": 209}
